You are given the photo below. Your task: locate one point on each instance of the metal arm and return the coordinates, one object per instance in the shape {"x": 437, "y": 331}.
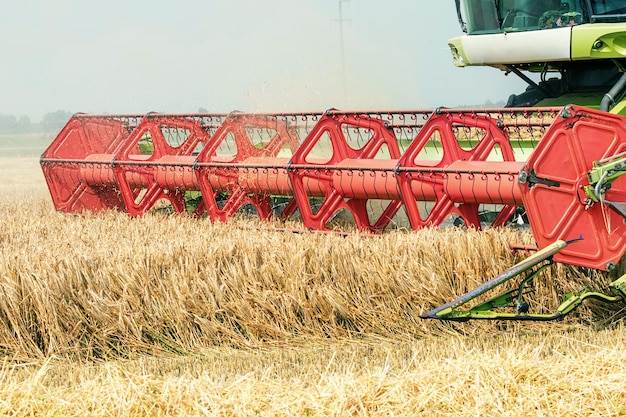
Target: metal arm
{"x": 495, "y": 308}
{"x": 603, "y": 174}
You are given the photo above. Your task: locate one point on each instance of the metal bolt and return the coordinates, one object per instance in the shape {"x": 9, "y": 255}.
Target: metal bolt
{"x": 522, "y": 177}
{"x": 598, "y": 44}
{"x": 522, "y": 307}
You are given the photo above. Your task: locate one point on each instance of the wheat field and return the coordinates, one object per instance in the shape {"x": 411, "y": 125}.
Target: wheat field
{"x": 103, "y": 314}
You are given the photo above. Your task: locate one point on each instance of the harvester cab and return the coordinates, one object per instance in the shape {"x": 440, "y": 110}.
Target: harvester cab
{"x": 576, "y": 47}
{"x": 557, "y": 153}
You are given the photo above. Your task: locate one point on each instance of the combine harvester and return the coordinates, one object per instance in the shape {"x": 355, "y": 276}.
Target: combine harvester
{"x": 556, "y": 153}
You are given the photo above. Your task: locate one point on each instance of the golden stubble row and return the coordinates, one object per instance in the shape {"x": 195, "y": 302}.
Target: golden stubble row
{"x": 107, "y": 285}
{"x": 556, "y": 371}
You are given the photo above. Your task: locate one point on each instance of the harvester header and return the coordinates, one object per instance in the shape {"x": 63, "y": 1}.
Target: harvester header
{"x": 556, "y": 168}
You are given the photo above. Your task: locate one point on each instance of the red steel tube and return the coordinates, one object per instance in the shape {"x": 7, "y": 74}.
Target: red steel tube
{"x": 484, "y": 182}
{"x": 176, "y": 172}
{"x": 477, "y": 182}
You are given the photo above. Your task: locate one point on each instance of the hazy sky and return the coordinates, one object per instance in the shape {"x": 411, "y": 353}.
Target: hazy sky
{"x": 130, "y": 56}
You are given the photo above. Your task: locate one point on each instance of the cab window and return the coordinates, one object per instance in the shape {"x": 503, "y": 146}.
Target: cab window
{"x": 520, "y": 15}
{"x": 608, "y": 10}
{"x": 479, "y": 16}
{"x": 494, "y": 16}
